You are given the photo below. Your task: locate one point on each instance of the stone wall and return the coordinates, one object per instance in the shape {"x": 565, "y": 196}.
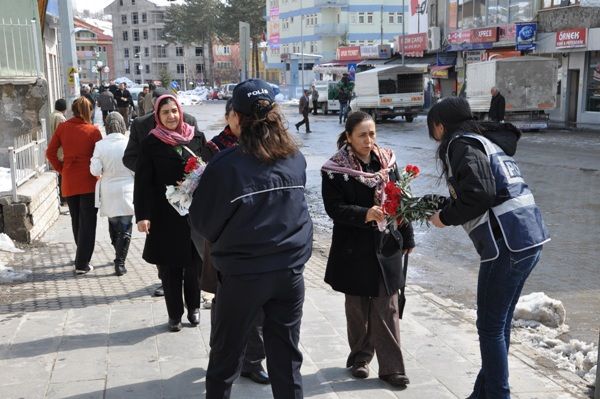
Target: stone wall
{"x": 556, "y": 19}
{"x": 23, "y": 103}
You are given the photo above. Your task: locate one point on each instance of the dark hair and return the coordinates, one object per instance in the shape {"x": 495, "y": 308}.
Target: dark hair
{"x": 228, "y": 106}
{"x": 60, "y": 105}
{"x": 354, "y": 119}
{"x": 264, "y": 133}
{"x": 82, "y": 108}
{"x": 454, "y": 114}
{"x": 151, "y": 86}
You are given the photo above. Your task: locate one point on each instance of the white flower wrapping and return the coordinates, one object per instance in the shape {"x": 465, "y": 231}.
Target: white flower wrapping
{"x": 180, "y": 196}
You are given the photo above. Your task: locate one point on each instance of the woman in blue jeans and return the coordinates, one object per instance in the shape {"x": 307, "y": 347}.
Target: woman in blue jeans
{"x": 490, "y": 199}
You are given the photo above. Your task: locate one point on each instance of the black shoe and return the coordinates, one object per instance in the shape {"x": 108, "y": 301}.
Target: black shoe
{"x": 309, "y": 131}
{"x": 360, "y": 371}
{"x": 259, "y": 376}
{"x": 84, "y": 270}
{"x": 122, "y": 241}
{"x": 159, "y": 291}
{"x": 396, "y": 380}
{"x": 194, "y": 317}
{"x": 297, "y": 128}
{"x": 175, "y": 325}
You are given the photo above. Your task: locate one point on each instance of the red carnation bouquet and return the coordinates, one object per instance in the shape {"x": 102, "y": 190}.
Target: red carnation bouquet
{"x": 180, "y": 196}
{"x": 400, "y": 206}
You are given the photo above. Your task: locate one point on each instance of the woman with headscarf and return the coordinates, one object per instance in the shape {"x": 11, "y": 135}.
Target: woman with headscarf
{"x": 163, "y": 155}
{"x": 114, "y": 191}
{"x": 77, "y": 137}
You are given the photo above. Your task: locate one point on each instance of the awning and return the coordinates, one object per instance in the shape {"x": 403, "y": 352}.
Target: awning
{"x": 439, "y": 71}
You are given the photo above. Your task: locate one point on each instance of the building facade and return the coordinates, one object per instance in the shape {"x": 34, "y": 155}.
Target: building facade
{"x": 95, "y": 56}
{"x": 140, "y": 51}
{"x": 314, "y": 29}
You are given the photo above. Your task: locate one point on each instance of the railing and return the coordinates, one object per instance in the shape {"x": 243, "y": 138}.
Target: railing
{"x": 19, "y": 48}
{"x": 331, "y": 29}
{"x": 331, "y": 3}
{"x": 27, "y": 159}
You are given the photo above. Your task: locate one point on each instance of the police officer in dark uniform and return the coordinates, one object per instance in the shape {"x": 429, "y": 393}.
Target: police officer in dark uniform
{"x": 261, "y": 237}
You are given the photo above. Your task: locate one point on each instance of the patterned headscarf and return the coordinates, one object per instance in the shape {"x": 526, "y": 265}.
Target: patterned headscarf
{"x": 182, "y": 134}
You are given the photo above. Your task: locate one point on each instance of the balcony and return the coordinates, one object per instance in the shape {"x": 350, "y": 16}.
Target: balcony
{"x": 331, "y": 3}
{"x": 329, "y": 30}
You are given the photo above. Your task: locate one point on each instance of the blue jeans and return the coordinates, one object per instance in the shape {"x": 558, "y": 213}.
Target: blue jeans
{"x": 498, "y": 289}
{"x": 343, "y": 111}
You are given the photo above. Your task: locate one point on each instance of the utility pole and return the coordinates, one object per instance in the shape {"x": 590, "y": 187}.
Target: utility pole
{"x": 67, "y": 51}
{"x": 302, "y": 44}
{"x": 381, "y": 26}
{"x": 244, "y": 28}
{"x": 403, "y": 31}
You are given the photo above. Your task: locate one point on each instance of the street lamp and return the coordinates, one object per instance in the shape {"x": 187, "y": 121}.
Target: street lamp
{"x": 141, "y": 67}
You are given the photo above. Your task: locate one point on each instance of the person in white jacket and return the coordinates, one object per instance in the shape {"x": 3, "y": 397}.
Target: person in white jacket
{"x": 114, "y": 190}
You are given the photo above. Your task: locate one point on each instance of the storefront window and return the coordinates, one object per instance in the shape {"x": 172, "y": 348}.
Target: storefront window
{"x": 520, "y": 10}
{"x": 593, "y": 82}
{"x": 497, "y": 12}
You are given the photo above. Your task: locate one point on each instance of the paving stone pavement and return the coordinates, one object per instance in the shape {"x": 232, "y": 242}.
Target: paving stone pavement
{"x": 102, "y": 336}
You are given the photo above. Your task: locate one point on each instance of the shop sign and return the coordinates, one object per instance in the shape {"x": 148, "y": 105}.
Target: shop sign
{"x": 414, "y": 44}
{"x": 484, "y": 35}
{"x": 369, "y": 52}
{"x": 349, "y": 53}
{"x": 571, "y": 38}
{"x": 525, "y": 36}
{"x": 459, "y": 36}
{"x": 474, "y": 56}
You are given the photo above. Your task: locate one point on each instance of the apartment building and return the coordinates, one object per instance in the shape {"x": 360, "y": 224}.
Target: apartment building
{"x": 316, "y": 28}
{"x": 140, "y": 51}
{"x": 94, "y": 53}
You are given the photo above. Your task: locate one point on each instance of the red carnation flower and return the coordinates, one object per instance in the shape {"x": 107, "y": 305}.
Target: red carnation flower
{"x": 413, "y": 170}
{"x": 190, "y": 165}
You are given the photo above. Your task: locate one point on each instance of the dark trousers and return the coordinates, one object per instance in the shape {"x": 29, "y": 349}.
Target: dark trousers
{"x": 315, "y": 106}
{"x": 124, "y": 111}
{"x": 104, "y": 115}
{"x": 304, "y": 121}
{"x": 374, "y": 327}
{"x": 343, "y": 111}
{"x": 119, "y": 225}
{"x": 498, "y": 290}
{"x": 239, "y": 299}
{"x": 83, "y": 222}
{"x": 172, "y": 276}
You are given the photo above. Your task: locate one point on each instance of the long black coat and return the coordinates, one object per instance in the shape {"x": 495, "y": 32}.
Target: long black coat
{"x": 497, "y": 108}
{"x": 160, "y": 165}
{"x": 360, "y": 255}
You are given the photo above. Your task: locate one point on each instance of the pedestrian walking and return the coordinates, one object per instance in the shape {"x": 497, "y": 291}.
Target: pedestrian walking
{"x": 124, "y": 102}
{"x": 86, "y": 92}
{"x": 140, "y": 128}
{"x": 304, "y": 109}
{"x": 107, "y": 103}
{"x": 344, "y": 96}
{"x": 161, "y": 160}
{"x": 77, "y": 137}
{"x": 364, "y": 263}
{"x": 314, "y": 93}
{"x": 58, "y": 115}
{"x": 497, "y": 106}
{"x": 114, "y": 190}
{"x": 141, "y": 102}
{"x": 148, "y": 103}
{"x": 254, "y": 352}
{"x": 261, "y": 235}
{"x": 490, "y": 199}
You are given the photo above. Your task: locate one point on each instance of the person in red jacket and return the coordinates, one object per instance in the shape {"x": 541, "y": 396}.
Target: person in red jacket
{"x": 77, "y": 137}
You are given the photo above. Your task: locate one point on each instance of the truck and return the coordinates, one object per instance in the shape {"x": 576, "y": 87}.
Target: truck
{"x": 322, "y": 87}
{"x": 391, "y": 91}
{"x": 528, "y": 84}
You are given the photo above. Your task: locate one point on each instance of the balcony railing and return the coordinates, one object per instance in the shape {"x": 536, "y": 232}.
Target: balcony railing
{"x": 331, "y": 29}
{"x": 331, "y": 3}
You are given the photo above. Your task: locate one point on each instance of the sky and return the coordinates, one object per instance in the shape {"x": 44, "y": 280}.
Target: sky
{"x": 92, "y": 5}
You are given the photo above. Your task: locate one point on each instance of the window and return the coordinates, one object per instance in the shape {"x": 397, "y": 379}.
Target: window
{"x": 134, "y": 18}
{"x": 592, "y": 103}
{"x": 125, "y": 35}
{"x": 147, "y": 68}
{"x": 124, "y": 19}
{"x": 163, "y": 66}
{"x": 136, "y": 68}
{"x": 179, "y": 51}
{"x": 132, "y": 2}
{"x": 224, "y": 65}
{"x": 120, "y": 2}
{"x": 126, "y": 52}
{"x": 369, "y": 17}
{"x": 136, "y": 51}
{"x": 199, "y": 51}
{"x": 146, "y": 52}
{"x": 395, "y": 17}
{"x": 226, "y": 50}
{"x": 145, "y": 34}
{"x": 361, "y": 17}
{"x": 158, "y": 16}
{"x": 161, "y": 52}
{"x": 144, "y": 18}
{"x": 558, "y": 3}
{"x": 136, "y": 35}
{"x": 180, "y": 68}
{"x": 127, "y": 70}
{"x": 199, "y": 68}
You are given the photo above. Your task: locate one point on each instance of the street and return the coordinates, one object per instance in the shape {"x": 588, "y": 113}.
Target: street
{"x": 562, "y": 169}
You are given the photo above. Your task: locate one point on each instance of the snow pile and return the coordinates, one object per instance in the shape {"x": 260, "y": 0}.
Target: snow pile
{"x": 192, "y": 97}
{"x": 5, "y": 180}
{"x": 8, "y": 274}
{"x": 539, "y": 321}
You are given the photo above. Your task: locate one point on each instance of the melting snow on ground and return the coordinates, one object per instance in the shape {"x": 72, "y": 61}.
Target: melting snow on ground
{"x": 540, "y": 321}
{"x": 8, "y": 274}
{"x": 5, "y": 181}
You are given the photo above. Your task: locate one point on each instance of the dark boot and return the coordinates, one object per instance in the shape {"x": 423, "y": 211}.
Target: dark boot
{"x": 121, "y": 248}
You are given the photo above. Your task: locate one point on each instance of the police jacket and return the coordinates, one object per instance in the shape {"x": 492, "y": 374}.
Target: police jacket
{"x": 254, "y": 213}
{"x": 489, "y": 196}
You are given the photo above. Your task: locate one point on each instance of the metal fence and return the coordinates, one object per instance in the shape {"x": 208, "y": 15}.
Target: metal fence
{"x": 27, "y": 158}
{"x": 19, "y": 48}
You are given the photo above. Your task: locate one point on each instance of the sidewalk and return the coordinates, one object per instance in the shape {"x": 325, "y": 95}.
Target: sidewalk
{"x": 101, "y": 336}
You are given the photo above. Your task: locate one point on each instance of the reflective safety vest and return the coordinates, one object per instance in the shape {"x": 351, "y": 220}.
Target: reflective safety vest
{"x": 518, "y": 216}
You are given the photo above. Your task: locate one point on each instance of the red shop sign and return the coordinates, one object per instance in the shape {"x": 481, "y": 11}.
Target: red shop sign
{"x": 349, "y": 53}
{"x": 459, "y": 36}
{"x": 571, "y": 38}
{"x": 414, "y": 44}
{"x": 484, "y": 35}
